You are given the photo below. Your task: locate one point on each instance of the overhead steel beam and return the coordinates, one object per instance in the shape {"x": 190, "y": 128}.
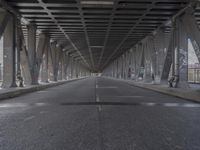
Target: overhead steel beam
{"x": 42, "y": 4}
{"x": 85, "y": 31}
{"x": 9, "y": 8}
{"x": 108, "y": 29}
{"x": 89, "y": 25}
{"x": 4, "y": 17}
{"x": 192, "y": 3}
{"x": 6, "y": 6}
{"x": 131, "y": 30}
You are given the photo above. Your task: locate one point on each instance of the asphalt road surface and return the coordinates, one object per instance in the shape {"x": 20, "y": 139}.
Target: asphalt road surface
{"x": 99, "y": 114}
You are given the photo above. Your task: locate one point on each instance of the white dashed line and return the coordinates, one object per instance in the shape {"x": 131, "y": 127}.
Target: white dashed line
{"x": 29, "y": 118}
{"x": 97, "y": 96}
{"x": 100, "y": 108}
{"x": 108, "y": 87}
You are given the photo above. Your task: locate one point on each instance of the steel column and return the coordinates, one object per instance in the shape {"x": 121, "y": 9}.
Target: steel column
{"x": 45, "y": 61}
{"x": 181, "y": 56}
{"x": 32, "y": 52}
{"x": 4, "y": 17}
{"x": 9, "y": 54}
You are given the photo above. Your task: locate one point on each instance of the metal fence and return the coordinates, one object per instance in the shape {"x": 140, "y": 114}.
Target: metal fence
{"x": 194, "y": 73}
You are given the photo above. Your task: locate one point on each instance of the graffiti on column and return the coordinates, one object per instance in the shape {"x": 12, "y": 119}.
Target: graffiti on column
{"x": 183, "y": 61}
{"x": 183, "y": 58}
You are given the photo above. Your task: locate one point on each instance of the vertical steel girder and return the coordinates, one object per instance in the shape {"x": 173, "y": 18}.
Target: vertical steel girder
{"x": 32, "y": 45}
{"x": 67, "y": 68}
{"x": 32, "y": 52}
{"x": 54, "y": 57}
{"x": 50, "y": 63}
{"x": 45, "y": 62}
{"x": 9, "y": 53}
{"x": 24, "y": 60}
{"x": 133, "y": 63}
{"x": 4, "y": 18}
{"x": 139, "y": 59}
{"x": 148, "y": 51}
{"x": 65, "y": 65}
{"x": 59, "y": 61}
{"x": 161, "y": 41}
{"x": 181, "y": 55}
{"x": 43, "y": 39}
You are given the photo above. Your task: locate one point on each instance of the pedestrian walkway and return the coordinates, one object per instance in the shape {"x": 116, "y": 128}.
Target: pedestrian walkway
{"x": 6, "y": 93}
{"x": 192, "y": 94}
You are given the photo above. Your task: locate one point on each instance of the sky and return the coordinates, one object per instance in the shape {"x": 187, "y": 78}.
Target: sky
{"x": 191, "y": 55}
{"x": 192, "y": 58}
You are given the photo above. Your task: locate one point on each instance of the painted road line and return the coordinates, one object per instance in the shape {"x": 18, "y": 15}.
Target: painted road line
{"x": 29, "y": 118}
{"x": 108, "y": 87}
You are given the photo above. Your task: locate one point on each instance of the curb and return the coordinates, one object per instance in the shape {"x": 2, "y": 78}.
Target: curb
{"x": 189, "y": 96}
{"x": 23, "y": 91}
{"x": 170, "y": 93}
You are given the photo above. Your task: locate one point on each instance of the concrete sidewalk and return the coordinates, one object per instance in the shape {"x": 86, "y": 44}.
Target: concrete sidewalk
{"x": 14, "y": 92}
{"x": 189, "y": 94}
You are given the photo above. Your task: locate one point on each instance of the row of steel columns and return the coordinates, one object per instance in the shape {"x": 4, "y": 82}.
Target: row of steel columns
{"x": 160, "y": 56}
{"x": 36, "y": 60}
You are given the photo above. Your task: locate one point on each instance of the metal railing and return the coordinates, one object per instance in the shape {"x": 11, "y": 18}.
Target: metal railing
{"x": 194, "y": 73}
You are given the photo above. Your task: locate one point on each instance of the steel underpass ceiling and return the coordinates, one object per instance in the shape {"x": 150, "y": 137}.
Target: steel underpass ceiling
{"x": 99, "y": 29}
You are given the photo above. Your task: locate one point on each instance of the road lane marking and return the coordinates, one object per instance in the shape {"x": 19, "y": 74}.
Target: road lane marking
{"x": 41, "y": 91}
{"x": 97, "y": 96}
{"x": 108, "y": 87}
{"x": 43, "y": 112}
{"x": 13, "y": 105}
{"x": 97, "y": 99}
{"x": 29, "y": 118}
{"x": 96, "y": 83}
{"x": 122, "y": 96}
{"x": 40, "y": 104}
{"x": 100, "y": 108}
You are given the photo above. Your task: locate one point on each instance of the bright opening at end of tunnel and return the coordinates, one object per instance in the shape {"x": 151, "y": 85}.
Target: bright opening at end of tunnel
{"x": 192, "y": 57}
